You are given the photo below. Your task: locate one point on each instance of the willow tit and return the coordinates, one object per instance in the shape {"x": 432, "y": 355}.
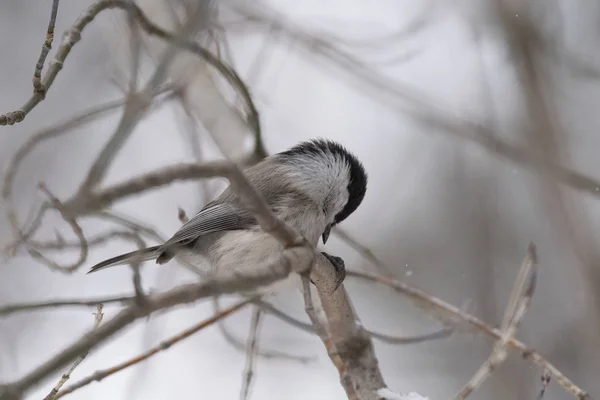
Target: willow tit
{"x": 311, "y": 187}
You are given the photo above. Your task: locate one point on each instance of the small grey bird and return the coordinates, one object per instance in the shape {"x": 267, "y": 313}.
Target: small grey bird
{"x": 311, "y": 187}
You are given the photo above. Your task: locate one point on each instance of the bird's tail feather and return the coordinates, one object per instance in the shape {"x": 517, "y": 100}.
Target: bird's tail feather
{"x": 146, "y": 254}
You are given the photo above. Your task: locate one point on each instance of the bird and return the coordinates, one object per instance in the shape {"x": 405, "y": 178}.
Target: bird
{"x": 312, "y": 187}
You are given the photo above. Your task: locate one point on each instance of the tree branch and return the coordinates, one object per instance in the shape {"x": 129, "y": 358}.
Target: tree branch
{"x": 100, "y": 375}
{"x": 449, "y": 313}
{"x": 67, "y": 376}
{"x": 37, "y": 74}
{"x": 180, "y": 295}
{"x": 518, "y": 304}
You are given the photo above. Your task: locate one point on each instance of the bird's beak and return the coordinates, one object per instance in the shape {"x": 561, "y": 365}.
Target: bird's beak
{"x": 326, "y": 233}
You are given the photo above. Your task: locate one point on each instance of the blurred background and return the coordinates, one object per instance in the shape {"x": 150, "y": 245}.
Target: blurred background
{"x": 409, "y": 87}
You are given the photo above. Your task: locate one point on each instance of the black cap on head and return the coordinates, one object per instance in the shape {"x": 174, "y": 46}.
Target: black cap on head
{"x": 357, "y": 186}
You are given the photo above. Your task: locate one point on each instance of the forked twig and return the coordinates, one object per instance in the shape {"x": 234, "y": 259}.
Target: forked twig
{"x": 518, "y": 304}
{"x": 99, "y": 375}
{"x": 53, "y": 393}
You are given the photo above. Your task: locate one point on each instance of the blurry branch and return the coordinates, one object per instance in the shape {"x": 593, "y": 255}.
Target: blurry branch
{"x": 191, "y": 130}
{"x": 37, "y": 74}
{"x": 20, "y": 307}
{"x": 99, "y": 375}
{"x": 518, "y": 304}
{"x": 48, "y": 133}
{"x": 26, "y": 149}
{"x": 130, "y": 223}
{"x": 251, "y": 352}
{"x": 400, "y": 97}
{"x": 83, "y": 248}
{"x": 238, "y": 344}
{"x": 546, "y": 133}
{"x": 102, "y": 238}
{"x": 103, "y": 198}
{"x": 389, "y": 339}
{"x": 451, "y": 314}
{"x": 402, "y": 340}
{"x": 9, "y": 309}
{"x": 53, "y": 393}
{"x": 180, "y": 295}
{"x": 138, "y": 102}
{"x": 362, "y": 250}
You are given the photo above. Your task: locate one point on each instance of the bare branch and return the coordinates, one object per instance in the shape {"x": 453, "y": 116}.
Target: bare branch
{"x": 48, "y": 133}
{"x": 103, "y": 198}
{"x": 352, "y": 342}
{"x": 403, "y": 98}
{"x": 83, "y": 248}
{"x": 99, "y": 375}
{"x": 70, "y": 38}
{"x": 180, "y": 295}
{"x": 37, "y": 74}
{"x": 448, "y": 312}
{"x": 138, "y": 103}
{"x": 389, "y": 339}
{"x": 238, "y": 344}
{"x": 321, "y": 331}
{"x": 53, "y": 393}
{"x": 61, "y": 244}
{"x": 435, "y": 335}
{"x": 21, "y": 307}
{"x": 251, "y": 352}
{"x": 518, "y": 303}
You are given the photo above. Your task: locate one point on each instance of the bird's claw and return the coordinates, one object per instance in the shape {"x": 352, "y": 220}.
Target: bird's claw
{"x": 340, "y": 268}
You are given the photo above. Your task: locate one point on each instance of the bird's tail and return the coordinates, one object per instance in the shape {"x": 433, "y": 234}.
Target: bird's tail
{"x": 149, "y": 253}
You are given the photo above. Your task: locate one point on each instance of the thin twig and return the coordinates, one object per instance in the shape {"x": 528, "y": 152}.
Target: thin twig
{"x": 180, "y": 295}
{"x": 238, "y": 344}
{"x": 138, "y": 103}
{"x": 99, "y": 375}
{"x": 61, "y": 244}
{"x": 403, "y": 98}
{"x": 389, "y": 339}
{"x": 53, "y": 393}
{"x": 83, "y": 249}
{"x": 251, "y": 352}
{"x": 21, "y": 307}
{"x": 449, "y": 312}
{"x": 37, "y": 74}
{"x": 362, "y": 250}
{"x": 70, "y": 38}
{"x": 518, "y": 303}
{"x": 48, "y": 133}
{"x": 402, "y": 340}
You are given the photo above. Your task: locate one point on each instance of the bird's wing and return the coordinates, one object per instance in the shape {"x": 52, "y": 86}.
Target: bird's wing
{"x": 213, "y": 218}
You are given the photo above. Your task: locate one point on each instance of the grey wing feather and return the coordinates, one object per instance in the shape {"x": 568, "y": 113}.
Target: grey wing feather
{"x": 213, "y": 218}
